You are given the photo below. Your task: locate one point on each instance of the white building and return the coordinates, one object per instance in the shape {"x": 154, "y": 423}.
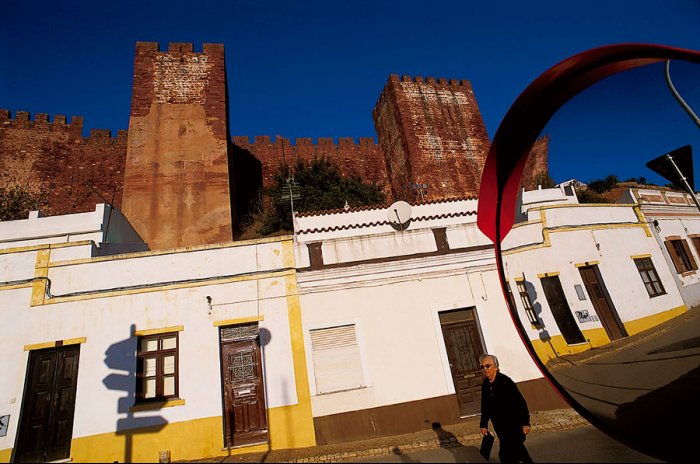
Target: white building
{"x": 585, "y": 274}
{"x": 193, "y": 352}
{"x": 366, "y": 322}
{"x": 395, "y": 315}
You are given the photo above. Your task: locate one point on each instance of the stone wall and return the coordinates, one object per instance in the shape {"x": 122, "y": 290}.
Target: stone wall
{"x": 176, "y": 183}
{"x": 53, "y": 159}
{"x": 432, "y": 135}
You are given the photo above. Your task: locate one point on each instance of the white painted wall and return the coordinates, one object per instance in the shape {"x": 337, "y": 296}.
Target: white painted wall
{"x": 395, "y": 306}
{"x": 602, "y": 236}
{"x": 106, "y": 321}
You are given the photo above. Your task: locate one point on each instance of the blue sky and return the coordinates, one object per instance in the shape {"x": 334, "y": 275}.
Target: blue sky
{"x": 315, "y": 69}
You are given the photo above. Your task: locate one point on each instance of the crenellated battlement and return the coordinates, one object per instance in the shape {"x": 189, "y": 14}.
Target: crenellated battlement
{"x": 41, "y": 121}
{"x": 177, "y": 48}
{"x": 244, "y": 141}
{"x": 362, "y": 156}
{"x": 439, "y": 82}
{"x": 100, "y": 136}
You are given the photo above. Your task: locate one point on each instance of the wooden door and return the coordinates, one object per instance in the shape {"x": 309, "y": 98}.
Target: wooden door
{"x": 48, "y": 405}
{"x": 245, "y": 416}
{"x": 561, "y": 310}
{"x": 464, "y": 346}
{"x": 602, "y": 303}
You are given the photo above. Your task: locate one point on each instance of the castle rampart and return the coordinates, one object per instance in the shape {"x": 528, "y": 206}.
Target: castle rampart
{"x": 51, "y": 158}
{"x": 184, "y": 179}
{"x": 362, "y": 157}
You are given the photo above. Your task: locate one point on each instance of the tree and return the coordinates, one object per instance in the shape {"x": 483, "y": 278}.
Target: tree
{"x": 321, "y": 187}
{"x": 585, "y": 195}
{"x": 16, "y": 203}
{"x": 603, "y": 185}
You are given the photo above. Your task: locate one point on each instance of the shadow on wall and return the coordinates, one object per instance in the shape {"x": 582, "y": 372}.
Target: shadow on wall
{"x": 121, "y": 356}
{"x": 537, "y": 307}
{"x": 245, "y": 186}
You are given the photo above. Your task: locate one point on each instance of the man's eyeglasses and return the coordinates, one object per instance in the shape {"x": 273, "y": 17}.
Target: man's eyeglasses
{"x": 486, "y": 366}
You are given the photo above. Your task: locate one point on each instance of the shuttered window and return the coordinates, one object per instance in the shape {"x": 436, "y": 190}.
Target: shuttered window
{"x": 527, "y": 304}
{"x": 336, "y": 359}
{"x": 681, "y": 255}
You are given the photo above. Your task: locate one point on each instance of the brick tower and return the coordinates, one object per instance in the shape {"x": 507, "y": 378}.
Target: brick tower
{"x": 176, "y": 180}
{"x": 432, "y": 134}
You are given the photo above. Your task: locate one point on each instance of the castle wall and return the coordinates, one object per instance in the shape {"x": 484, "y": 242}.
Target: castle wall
{"x": 363, "y": 158}
{"x": 431, "y": 133}
{"x": 537, "y": 163}
{"x": 53, "y": 159}
{"x": 176, "y": 183}
{"x": 185, "y": 181}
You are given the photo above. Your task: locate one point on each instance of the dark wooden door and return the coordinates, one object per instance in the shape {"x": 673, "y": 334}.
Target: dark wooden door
{"x": 561, "y": 310}
{"x": 245, "y": 418}
{"x": 602, "y": 303}
{"x": 464, "y": 346}
{"x": 48, "y": 405}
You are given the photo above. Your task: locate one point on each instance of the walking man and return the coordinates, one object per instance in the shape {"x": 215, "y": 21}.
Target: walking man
{"x": 504, "y": 405}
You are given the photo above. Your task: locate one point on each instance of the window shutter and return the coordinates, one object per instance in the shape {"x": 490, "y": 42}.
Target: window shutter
{"x": 674, "y": 256}
{"x": 691, "y": 259}
{"x": 336, "y": 358}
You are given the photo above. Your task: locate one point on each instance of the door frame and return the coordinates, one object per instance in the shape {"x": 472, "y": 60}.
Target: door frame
{"x": 32, "y": 358}
{"x": 262, "y": 394}
{"x": 447, "y": 370}
{"x": 609, "y": 317}
{"x": 565, "y": 314}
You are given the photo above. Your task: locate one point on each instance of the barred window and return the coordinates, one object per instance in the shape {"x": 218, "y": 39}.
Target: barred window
{"x": 157, "y": 367}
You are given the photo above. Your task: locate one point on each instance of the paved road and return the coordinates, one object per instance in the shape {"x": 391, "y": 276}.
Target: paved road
{"x": 646, "y": 388}
{"x": 585, "y": 444}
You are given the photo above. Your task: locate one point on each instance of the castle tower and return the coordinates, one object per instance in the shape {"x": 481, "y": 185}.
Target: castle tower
{"x": 176, "y": 180}
{"x": 433, "y": 138}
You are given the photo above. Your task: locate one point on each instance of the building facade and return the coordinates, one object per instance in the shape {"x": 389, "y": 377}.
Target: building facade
{"x": 583, "y": 275}
{"x": 191, "y": 352}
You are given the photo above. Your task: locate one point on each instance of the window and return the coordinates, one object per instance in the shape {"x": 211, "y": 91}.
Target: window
{"x": 696, "y": 242}
{"x": 649, "y": 277}
{"x": 527, "y": 304}
{"x": 680, "y": 254}
{"x": 157, "y": 372}
{"x": 336, "y": 359}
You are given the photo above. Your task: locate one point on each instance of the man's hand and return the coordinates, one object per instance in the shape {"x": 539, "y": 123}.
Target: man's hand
{"x": 484, "y": 431}
{"x": 526, "y": 429}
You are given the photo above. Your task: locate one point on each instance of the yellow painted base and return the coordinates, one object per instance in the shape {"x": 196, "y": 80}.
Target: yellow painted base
{"x": 290, "y": 427}
{"x": 648, "y": 322}
{"x": 557, "y": 346}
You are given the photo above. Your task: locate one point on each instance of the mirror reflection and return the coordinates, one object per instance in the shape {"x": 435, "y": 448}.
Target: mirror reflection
{"x": 602, "y": 265}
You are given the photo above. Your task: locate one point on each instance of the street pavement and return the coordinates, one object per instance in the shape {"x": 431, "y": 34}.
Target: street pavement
{"x": 644, "y": 386}
{"x": 584, "y": 444}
